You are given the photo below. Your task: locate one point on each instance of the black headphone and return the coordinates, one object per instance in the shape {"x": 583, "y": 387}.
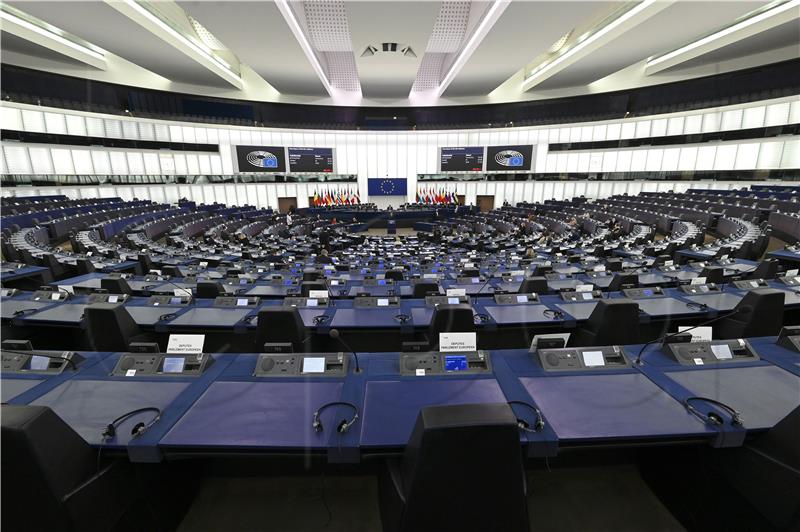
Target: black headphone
{"x": 712, "y": 418}
{"x": 481, "y": 318}
{"x": 319, "y": 319}
{"x": 140, "y": 428}
{"x": 553, "y": 314}
{"x": 343, "y": 425}
{"x": 402, "y": 318}
{"x": 524, "y": 425}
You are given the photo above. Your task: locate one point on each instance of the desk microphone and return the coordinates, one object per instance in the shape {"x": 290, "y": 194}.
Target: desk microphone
{"x": 182, "y": 289}
{"x": 744, "y": 309}
{"x": 334, "y": 333}
{"x": 488, "y": 279}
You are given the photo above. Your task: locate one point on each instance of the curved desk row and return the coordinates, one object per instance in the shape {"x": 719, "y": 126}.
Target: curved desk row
{"x": 230, "y": 408}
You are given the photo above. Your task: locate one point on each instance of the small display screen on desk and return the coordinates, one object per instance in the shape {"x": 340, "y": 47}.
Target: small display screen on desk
{"x": 314, "y": 365}
{"x": 455, "y": 362}
{"x": 175, "y": 301}
{"x": 39, "y": 363}
{"x": 174, "y": 364}
{"x": 383, "y": 302}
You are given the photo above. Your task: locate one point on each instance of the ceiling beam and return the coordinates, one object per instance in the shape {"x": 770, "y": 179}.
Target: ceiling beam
{"x": 140, "y": 14}
{"x": 492, "y": 15}
{"x": 747, "y": 27}
{"x": 305, "y": 45}
{"x": 595, "y": 41}
{"x": 41, "y": 33}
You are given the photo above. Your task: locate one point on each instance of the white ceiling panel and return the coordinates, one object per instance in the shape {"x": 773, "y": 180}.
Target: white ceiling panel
{"x": 390, "y": 74}
{"x": 105, "y": 27}
{"x": 674, "y": 26}
{"x": 257, "y": 33}
{"x": 525, "y": 30}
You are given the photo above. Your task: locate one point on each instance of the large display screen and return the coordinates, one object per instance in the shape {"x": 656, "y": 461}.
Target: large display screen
{"x": 311, "y": 159}
{"x": 508, "y": 158}
{"x": 260, "y": 159}
{"x": 468, "y": 159}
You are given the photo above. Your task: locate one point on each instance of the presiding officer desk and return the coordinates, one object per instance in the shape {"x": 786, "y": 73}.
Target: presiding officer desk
{"x": 585, "y": 397}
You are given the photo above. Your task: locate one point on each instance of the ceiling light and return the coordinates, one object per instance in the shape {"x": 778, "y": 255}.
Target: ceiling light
{"x": 491, "y": 16}
{"x": 224, "y": 67}
{"x": 40, "y": 27}
{"x": 586, "y": 39}
{"x": 759, "y": 15}
{"x": 297, "y": 30}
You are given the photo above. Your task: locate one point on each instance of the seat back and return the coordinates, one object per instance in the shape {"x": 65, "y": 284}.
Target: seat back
{"x": 115, "y": 285}
{"x": 209, "y": 289}
{"x": 424, "y": 288}
{"x": 84, "y": 266}
{"x": 110, "y": 326}
{"x": 537, "y": 285}
{"x": 450, "y": 318}
{"x": 767, "y": 269}
{"x": 620, "y": 281}
{"x": 280, "y": 325}
{"x": 435, "y": 460}
{"x": 312, "y": 275}
{"x": 51, "y": 262}
{"x": 612, "y": 322}
{"x": 762, "y": 316}
{"x": 712, "y": 274}
{"x": 43, "y": 461}
{"x": 145, "y": 262}
{"x": 9, "y": 252}
{"x": 395, "y": 275}
{"x": 307, "y": 286}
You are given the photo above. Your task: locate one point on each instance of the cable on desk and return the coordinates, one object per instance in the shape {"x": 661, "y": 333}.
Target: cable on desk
{"x": 140, "y": 428}
{"x": 711, "y": 417}
{"x": 524, "y": 425}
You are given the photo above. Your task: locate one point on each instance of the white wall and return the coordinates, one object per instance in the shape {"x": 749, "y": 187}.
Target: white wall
{"x": 267, "y": 194}
{"x": 379, "y": 154}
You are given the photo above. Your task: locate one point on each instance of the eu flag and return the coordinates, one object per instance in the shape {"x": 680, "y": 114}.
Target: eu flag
{"x": 387, "y": 187}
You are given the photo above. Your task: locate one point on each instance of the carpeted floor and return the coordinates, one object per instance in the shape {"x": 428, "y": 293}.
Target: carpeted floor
{"x": 596, "y": 499}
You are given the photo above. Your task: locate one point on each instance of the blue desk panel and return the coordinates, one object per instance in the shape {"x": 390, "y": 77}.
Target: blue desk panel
{"x": 62, "y": 314}
{"x": 597, "y": 406}
{"x": 10, "y": 306}
{"x": 724, "y": 302}
{"x": 89, "y": 405}
{"x": 263, "y": 414}
{"x": 762, "y": 394}
{"x": 391, "y": 406}
{"x": 516, "y": 314}
{"x": 11, "y": 388}
{"x": 210, "y": 317}
{"x": 375, "y": 317}
{"x": 663, "y": 306}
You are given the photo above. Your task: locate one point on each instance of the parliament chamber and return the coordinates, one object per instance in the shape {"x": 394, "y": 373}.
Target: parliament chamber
{"x": 446, "y": 275}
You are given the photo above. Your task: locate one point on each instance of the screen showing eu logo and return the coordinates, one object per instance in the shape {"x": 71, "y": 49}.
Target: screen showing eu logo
{"x": 387, "y": 187}
{"x": 260, "y": 159}
{"x": 508, "y": 158}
